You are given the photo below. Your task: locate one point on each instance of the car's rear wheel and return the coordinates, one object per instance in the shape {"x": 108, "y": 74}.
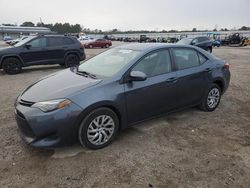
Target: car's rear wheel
{"x": 71, "y": 60}
{"x": 91, "y": 46}
{"x": 98, "y": 128}
{"x": 12, "y": 65}
{"x": 212, "y": 98}
{"x": 107, "y": 45}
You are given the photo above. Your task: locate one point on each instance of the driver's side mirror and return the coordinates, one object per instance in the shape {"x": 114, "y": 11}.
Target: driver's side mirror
{"x": 27, "y": 46}
{"x": 137, "y": 76}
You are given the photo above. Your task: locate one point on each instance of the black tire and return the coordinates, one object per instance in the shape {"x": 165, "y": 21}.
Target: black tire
{"x": 87, "y": 122}
{"x": 107, "y": 46}
{"x": 90, "y": 46}
{"x": 71, "y": 60}
{"x": 204, "y": 104}
{"x": 12, "y": 65}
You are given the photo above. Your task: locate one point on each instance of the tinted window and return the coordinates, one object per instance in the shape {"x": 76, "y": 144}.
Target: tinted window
{"x": 186, "y": 58}
{"x": 38, "y": 43}
{"x": 202, "y": 58}
{"x": 185, "y": 41}
{"x": 67, "y": 41}
{"x": 202, "y": 39}
{"x": 155, "y": 63}
{"x": 59, "y": 41}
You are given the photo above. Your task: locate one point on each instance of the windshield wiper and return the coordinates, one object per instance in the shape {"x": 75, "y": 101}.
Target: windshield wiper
{"x": 86, "y": 73}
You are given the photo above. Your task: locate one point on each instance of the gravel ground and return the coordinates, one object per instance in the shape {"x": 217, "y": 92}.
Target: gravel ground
{"x": 190, "y": 148}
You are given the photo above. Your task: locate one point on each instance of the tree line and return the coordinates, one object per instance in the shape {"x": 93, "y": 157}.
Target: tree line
{"x": 63, "y": 28}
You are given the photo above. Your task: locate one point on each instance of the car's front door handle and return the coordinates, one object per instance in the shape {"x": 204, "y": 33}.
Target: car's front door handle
{"x": 207, "y": 69}
{"x": 172, "y": 80}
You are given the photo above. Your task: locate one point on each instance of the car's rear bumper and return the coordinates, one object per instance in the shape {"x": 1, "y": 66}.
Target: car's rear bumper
{"x": 50, "y": 129}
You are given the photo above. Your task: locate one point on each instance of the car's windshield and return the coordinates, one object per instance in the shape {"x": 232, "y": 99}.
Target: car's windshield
{"x": 185, "y": 41}
{"x": 108, "y": 63}
{"x": 21, "y": 42}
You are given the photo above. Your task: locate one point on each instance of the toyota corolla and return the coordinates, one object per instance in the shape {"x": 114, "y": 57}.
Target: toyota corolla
{"x": 118, "y": 88}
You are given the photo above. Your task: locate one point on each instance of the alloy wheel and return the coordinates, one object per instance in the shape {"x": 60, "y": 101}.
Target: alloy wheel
{"x": 213, "y": 98}
{"x": 100, "y": 130}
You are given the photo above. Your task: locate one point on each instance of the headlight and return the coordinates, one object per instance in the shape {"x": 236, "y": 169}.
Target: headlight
{"x": 48, "y": 106}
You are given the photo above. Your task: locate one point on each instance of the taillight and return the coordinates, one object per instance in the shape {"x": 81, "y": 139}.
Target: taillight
{"x": 226, "y": 66}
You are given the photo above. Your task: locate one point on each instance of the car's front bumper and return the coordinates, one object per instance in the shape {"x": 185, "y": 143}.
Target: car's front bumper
{"x": 51, "y": 129}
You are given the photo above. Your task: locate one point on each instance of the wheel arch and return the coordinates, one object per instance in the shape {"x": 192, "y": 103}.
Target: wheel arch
{"x": 72, "y": 52}
{"x": 104, "y": 104}
{"x": 9, "y": 56}
{"x": 220, "y": 83}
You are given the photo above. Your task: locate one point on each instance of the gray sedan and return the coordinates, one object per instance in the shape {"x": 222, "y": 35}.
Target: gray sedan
{"x": 118, "y": 88}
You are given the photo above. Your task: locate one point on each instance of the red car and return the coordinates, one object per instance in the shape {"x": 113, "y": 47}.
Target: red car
{"x": 102, "y": 43}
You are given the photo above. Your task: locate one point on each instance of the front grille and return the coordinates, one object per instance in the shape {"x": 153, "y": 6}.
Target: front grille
{"x": 26, "y": 103}
{"x": 23, "y": 125}
{"x": 20, "y": 114}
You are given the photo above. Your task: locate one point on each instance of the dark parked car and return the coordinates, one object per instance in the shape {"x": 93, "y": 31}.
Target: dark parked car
{"x": 100, "y": 43}
{"x": 118, "y": 88}
{"x": 202, "y": 42}
{"x": 41, "y": 50}
{"x": 143, "y": 38}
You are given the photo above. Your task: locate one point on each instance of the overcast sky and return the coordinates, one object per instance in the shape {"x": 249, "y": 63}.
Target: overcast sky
{"x": 130, "y": 14}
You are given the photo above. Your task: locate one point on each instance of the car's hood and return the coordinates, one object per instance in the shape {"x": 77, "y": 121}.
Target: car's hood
{"x": 5, "y": 49}
{"x": 56, "y": 86}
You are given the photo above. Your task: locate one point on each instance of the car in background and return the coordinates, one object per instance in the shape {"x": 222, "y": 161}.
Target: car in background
{"x": 216, "y": 43}
{"x": 129, "y": 39}
{"x": 99, "y": 43}
{"x": 7, "y": 38}
{"x": 143, "y": 38}
{"x": 118, "y": 88}
{"x": 15, "y": 41}
{"x": 42, "y": 50}
{"x": 85, "y": 40}
{"x": 203, "y": 42}
{"x": 85, "y": 37}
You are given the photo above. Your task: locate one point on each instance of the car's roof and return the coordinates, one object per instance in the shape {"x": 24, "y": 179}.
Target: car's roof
{"x": 195, "y": 37}
{"x": 55, "y": 36}
{"x": 149, "y": 46}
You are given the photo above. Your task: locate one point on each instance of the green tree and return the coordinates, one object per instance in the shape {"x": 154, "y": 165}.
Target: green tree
{"x": 244, "y": 28}
{"x": 28, "y": 24}
{"x": 194, "y": 30}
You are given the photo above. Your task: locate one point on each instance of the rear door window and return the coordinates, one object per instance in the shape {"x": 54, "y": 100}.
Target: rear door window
{"x": 67, "y": 41}
{"x": 55, "y": 41}
{"x": 202, "y": 39}
{"x": 186, "y": 58}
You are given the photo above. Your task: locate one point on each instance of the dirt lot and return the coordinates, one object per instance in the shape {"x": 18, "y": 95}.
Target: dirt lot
{"x": 185, "y": 149}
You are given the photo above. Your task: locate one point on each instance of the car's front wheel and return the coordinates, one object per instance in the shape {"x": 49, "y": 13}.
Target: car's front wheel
{"x": 212, "y": 98}
{"x": 12, "y": 65}
{"x": 71, "y": 60}
{"x": 98, "y": 128}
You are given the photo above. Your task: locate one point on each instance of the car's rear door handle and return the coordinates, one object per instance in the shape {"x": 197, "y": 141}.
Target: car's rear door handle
{"x": 172, "y": 80}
